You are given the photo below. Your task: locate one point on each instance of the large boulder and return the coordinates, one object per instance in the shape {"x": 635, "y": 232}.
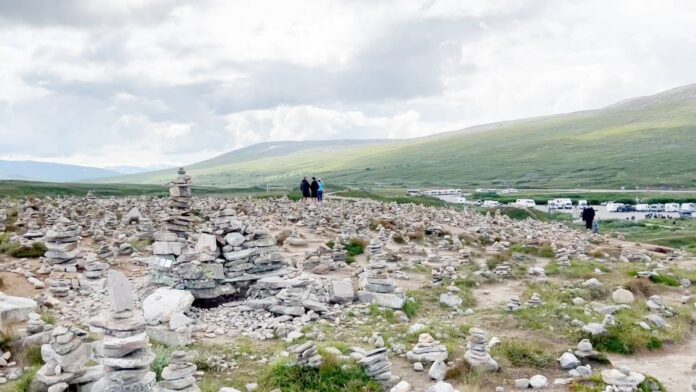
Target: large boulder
{"x": 341, "y": 291}
{"x": 15, "y": 309}
{"x": 622, "y": 296}
{"x": 160, "y": 306}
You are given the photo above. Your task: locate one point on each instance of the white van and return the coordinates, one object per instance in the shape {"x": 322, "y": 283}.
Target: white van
{"x": 687, "y": 207}
{"x": 582, "y": 203}
{"x": 672, "y": 207}
{"x": 491, "y": 204}
{"x": 525, "y": 203}
{"x": 613, "y": 207}
{"x": 643, "y": 207}
{"x": 561, "y": 204}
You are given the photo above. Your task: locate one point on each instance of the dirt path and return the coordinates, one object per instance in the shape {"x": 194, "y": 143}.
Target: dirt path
{"x": 673, "y": 366}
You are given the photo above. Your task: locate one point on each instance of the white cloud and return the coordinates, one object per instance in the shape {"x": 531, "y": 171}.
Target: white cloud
{"x": 103, "y": 82}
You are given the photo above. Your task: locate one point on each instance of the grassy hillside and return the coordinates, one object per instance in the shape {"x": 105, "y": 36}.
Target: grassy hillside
{"x": 644, "y": 142}
{"x": 10, "y": 188}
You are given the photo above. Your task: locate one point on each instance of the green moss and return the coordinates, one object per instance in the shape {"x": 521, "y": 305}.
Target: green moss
{"x": 577, "y": 269}
{"x": 37, "y": 249}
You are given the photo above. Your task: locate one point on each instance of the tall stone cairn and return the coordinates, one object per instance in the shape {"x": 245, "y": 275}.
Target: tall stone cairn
{"x": 125, "y": 354}
{"x": 62, "y": 243}
{"x": 179, "y": 207}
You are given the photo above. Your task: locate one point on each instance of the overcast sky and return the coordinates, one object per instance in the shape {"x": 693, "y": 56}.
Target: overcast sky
{"x": 148, "y": 82}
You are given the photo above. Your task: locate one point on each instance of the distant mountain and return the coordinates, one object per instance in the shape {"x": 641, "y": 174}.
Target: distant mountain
{"x": 643, "y": 142}
{"x": 136, "y": 169}
{"x": 51, "y": 172}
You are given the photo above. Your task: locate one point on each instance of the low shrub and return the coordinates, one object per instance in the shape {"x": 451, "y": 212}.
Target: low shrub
{"x": 331, "y": 376}
{"x": 411, "y": 307}
{"x": 524, "y": 354}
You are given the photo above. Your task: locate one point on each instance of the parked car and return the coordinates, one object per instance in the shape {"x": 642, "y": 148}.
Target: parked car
{"x": 626, "y": 208}
{"x": 613, "y": 207}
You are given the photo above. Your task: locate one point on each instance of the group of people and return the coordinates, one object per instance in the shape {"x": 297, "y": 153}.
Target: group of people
{"x": 312, "y": 191}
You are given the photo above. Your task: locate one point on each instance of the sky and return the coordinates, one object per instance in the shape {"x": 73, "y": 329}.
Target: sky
{"x": 171, "y": 82}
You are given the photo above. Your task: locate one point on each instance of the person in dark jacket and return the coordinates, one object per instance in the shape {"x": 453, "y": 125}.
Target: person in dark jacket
{"x": 314, "y": 188}
{"x": 304, "y": 188}
{"x": 588, "y": 215}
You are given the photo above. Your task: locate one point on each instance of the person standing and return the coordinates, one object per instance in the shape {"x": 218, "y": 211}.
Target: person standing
{"x": 314, "y": 188}
{"x": 320, "y": 191}
{"x": 304, "y": 188}
{"x": 588, "y": 215}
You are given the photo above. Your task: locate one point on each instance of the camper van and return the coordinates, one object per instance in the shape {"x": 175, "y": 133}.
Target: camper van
{"x": 561, "y": 204}
{"x": 525, "y": 203}
{"x": 687, "y": 207}
{"x": 491, "y": 204}
{"x": 582, "y": 203}
{"x": 672, "y": 207}
{"x": 613, "y": 207}
{"x": 643, "y": 207}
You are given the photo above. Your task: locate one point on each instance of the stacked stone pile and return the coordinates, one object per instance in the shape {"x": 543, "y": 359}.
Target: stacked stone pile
{"x": 66, "y": 357}
{"x": 427, "y": 350}
{"x": 376, "y": 364}
{"x": 125, "y": 354}
{"x": 62, "y": 242}
{"x": 59, "y": 286}
{"x": 94, "y": 275}
{"x": 377, "y": 287}
{"x": 534, "y": 301}
{"x": 307, "y": 354}
{"x": 179, "y": 216}
{"x": 3, "y": 218}
{"x": 477, "y": 353}
{"x": 33, "y": 233}
{"x": 178, "y": 376}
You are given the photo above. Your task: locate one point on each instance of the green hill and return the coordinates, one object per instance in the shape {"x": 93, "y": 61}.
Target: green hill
{"x": 646, "y": 142}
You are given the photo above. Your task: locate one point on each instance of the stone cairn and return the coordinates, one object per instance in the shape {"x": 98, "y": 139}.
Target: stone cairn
{"x": 178, "y": 376}
{"x": 66, "y": 357}
{"x": 477, "y": 353}
{"x": 514, "y": 303}
{"x": 377, "y": 287}
{"x": 3, "y": 218}
{"x": 125, "y": 354}
{"x": 307, "y": 354}
{"x": 534, "y": 301}
{"x": 94, "y": 276}
{"x": 62, "y": 242}
{"x": 226, "y": 259}
{"x": 377, "y": 365}
{"x": 427, "y": 350}
{"x": 179, "y": 207}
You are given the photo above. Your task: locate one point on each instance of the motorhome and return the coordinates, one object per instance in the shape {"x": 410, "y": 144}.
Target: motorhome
{"x": 613, "y": 207}
{"x": 491, "y": 204}
{"x": 657, "y": 207}
{"x": 560, "y": 204}
{"x": 582, "y": 203}
{"x": 525, "y": 203}
{"x": 643, "y": 207}
{"x": 687, "y": 207}
{"x": 672, "y": 207}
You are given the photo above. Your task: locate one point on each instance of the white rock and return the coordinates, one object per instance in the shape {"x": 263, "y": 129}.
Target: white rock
{"x": 160, "y": 306}
{"x": 623, "y": 296}
{"x": 438, "y": 370}
{"x": 402, "y": 386}
{"x": 441, "y": 386}
{"x": 538, "y": 382}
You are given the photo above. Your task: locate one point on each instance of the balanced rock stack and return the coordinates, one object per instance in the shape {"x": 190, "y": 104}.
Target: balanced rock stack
{"x": 179, "y": 206}
{"x": 377, "y": 365}
{"x": 62, "y": 242}
{"x": 58, "y": 286}
{"x": 3, "y": 217}
{"x": 514, "y": 303}
{"x": 178, "y": 376}
{"x": 427, "y": 350}
{"x": 66, "y": 357}
{"x": 477, "y": 353}
{"x": 125, "y": 354}
{"x": 534, "y": 301}
{"x": 32, "y": 234}
{"x": 94, "y": 276}
{"x": 307, "y": 354}
{"x": 377, "y": 287}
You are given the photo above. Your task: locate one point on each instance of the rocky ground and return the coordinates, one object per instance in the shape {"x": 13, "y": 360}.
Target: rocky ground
{"x": 405, "y": 297}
